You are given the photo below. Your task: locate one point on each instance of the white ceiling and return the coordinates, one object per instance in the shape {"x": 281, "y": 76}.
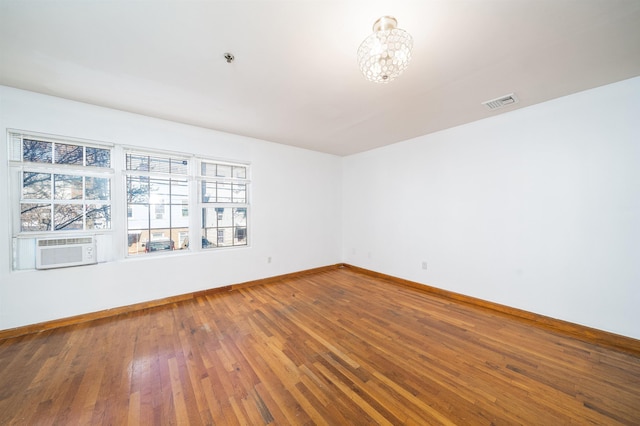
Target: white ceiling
{"x": 295, "y": 79}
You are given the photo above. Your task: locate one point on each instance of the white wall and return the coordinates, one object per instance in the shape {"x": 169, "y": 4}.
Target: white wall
{"x": 537, "y": 209}
{"x": 295, "y": 215}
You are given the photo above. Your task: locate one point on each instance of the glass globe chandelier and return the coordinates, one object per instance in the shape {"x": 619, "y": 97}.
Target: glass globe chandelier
{"x": 385, "y": 54}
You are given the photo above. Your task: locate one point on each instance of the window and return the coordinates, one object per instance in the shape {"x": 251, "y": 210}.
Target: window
{"x": 71, "y": 187}
{"x": 64, "y": 186}
{"x": 224, "y": 196}
{"x": 157, "y": 192}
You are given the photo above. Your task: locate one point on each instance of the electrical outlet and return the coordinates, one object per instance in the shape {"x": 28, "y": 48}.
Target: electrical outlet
{"x": 424, "y": 265}
{"x": 269, "y": 259}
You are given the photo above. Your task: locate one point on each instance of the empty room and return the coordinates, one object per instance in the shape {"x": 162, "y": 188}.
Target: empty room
{"x": 319, "y": 212}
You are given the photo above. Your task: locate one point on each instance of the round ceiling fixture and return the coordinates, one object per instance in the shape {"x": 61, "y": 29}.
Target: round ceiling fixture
{"x": 385, "y": 54}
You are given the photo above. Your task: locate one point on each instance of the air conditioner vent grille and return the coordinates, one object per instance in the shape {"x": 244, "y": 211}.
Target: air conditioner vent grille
{"x": 501, "y": 102}
{"x": 64, "y": 241}
{"x": 63, "y": 252}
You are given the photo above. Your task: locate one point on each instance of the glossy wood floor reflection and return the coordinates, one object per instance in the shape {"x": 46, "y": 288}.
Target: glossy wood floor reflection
{"x": 333, "y": 348}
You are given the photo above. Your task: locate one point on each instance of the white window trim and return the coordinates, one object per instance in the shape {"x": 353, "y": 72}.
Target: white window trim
{"x": 246, "y": 205}
{"x": 22, "y": 257}
{"x": 17, "y": 166}
{"x": 117, "y": 173}
{"x": 195, "y": 203}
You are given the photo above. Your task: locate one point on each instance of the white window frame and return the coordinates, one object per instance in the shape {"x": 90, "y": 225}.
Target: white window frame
{"x": 24, "y": 240}
{"x": 157, "y": 211}
{"x": 194, "y": 205}
{"x": 113, "y": 242}
{"x": 209, "y": 233}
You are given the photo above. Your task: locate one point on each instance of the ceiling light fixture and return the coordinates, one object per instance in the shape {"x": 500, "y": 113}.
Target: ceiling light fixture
{"x": 385, "y": 54}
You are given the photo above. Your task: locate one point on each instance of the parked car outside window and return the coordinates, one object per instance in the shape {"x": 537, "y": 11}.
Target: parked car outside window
{"x": 159, "y": 245}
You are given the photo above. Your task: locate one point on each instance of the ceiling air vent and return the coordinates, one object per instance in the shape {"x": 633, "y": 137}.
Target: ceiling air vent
{"x": 502, "y": 101}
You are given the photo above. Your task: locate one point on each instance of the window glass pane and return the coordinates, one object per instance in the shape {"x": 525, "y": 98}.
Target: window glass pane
{"x": 225, "y": 226}
{"x": 225, "y": 216}
{"x": 206, "y": 241}
{"x": 240, "y": 237}
{"x": 223, "y": 171}
{"x": 239, "y": 193}
{"x": 35, "y": 217}
{"x": 37, "y": 151}
{"x": 139, "y": 218}
{"x": 168, "y": 165}
{"x": 160, "y": 165}
{"x": 179, "y": 217}
{"x": 208, "y": 169}
{"x": 240, "y": 217}
{"x": 208, "y": 192}
{"x": 159, "y": 209}
{"x": 36, "y": 185}
{"x": 137, "y": 162}
{"x": 225, "y": 237}
{"x": 68, "y": 154}
{"x": 224, "y": 192}
{"x": 180, "y": 166}
{"x": 183, "y": 240}
{"x": 209, "y": 218}
{"x": 98, "y": 216}
{"x": 179, "y": 187}
{"x": 67, "y": 217}
{"x": 137, "y": 189}
{"x": 97, "y": 188}
{"x": 67, "y": 187}
{"x": 140, "y": 244}
{"x": 239, "y": 172}
{"x": 160, "y": 217}
{"x": 135, "y": 241}
{"x": 179, "y": 191}
{"x": 97, "y": 157}
{"x": 219, "y": 212}
{"x": 159, "y": 190}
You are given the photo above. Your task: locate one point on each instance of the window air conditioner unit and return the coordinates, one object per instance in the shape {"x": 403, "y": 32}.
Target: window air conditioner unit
{"x": 63, "y": 252}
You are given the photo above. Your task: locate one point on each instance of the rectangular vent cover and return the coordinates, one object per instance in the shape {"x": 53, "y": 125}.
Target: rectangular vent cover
{"x": 501, "y": 102}
{"x": 63, "y": 252}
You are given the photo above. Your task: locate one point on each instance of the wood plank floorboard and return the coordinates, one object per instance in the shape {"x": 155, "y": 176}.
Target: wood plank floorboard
{"x": 332, "y": 348}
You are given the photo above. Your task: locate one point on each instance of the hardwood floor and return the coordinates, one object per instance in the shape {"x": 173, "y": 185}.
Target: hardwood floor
{"x": 332, "y": 348}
